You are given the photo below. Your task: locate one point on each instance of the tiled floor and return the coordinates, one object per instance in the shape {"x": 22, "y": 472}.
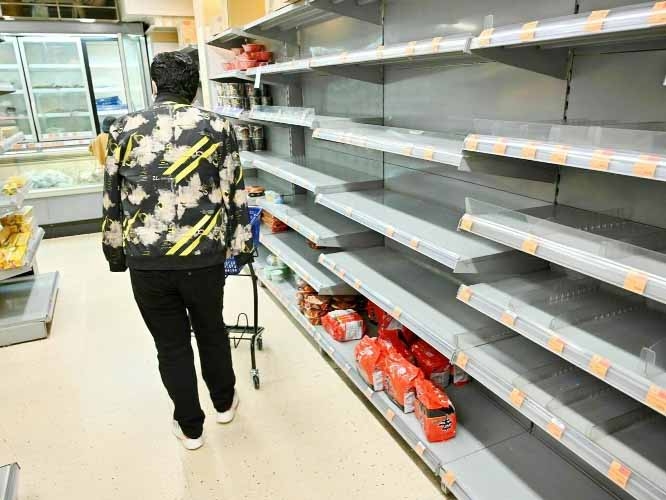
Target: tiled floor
{"x": 86, "y": 416}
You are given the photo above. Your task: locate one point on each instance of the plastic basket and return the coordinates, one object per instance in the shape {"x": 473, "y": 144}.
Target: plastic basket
{"x": 231, "y": 267}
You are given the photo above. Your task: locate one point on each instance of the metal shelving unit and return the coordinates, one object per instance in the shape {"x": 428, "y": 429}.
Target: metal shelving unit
{"x": 320, "y": 225}
{"x": 294, "y": 251}
{"x": 428, "y": 228}
{"x": 282, "y": 115}
{"x": 27, "y": 266}
{"x": 9, "y": 478}
{"x": 313, "y": 176}
{"x": 614, "y": 250}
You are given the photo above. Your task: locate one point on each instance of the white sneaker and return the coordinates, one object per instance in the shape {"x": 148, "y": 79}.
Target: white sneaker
{"x": 188, "y": 443}
{"x": 226, "y": 417}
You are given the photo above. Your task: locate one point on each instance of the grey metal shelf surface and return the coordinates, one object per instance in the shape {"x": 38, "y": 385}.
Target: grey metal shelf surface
{"x": 33, "y": 245}
{"x": 429, "y": 146}
{"x": 314, "y": 176}
{"x": 282, "y": 24}
{"x": 583, "y": 322}
{"x": 293, "y": 250}
{"x": 26, "y": 308}
{"x": 589, "y": 157}
{"x": 9, "y": 478}
{"x": 487, "y": 438}
{"x": 281, "y": 115}
{"x": 630, "y": 23}
{"x": 620, "y": 252}
{"x": 428, "y": 228}
{"x": 7, "y": 88}
{"x": 320, "y": 225}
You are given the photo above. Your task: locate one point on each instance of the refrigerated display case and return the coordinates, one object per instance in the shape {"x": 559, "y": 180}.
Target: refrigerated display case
{"x": 106, "y": 75}
{"x": 14, "y": 106}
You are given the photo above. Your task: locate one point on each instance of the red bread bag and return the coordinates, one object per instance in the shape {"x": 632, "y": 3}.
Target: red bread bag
{"x": 435, "y": 366}
{"x": 369, "y": 356}
{"x": 399, "y": 378}
{"x": 375, "y": 313}
{"x": 459, "y": 376}
{"x": 435, "y": 411}
{"x": 391, "y": 334}
{"x": 344, "y": 325}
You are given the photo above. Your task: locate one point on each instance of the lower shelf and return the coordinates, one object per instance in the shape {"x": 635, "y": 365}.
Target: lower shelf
{"x": 9, "y": 476}
{"x": 35, "y": 241}
{"x": 488, "y": 441}
{"x": 26, "y": 308}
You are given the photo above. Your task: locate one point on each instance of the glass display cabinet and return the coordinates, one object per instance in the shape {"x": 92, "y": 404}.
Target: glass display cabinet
{"x": 15, "y": 106}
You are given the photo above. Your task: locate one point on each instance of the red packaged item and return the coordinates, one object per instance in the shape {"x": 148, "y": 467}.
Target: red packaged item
{"x": 369, "y": 356}
{"x": 375, "y": 313}
{"x": 435, "y": 411}
{"x": 459, "y": 376}
{"x": 408, "y": 335}
{"x": 435, "y": 366}
{"x": 391, "y": 332}
{"x": 344, "y": 325}
{"x": 399, "y": 379}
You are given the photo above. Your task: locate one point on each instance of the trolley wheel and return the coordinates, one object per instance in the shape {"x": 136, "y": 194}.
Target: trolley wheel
{"x": 260, "y": 344}
{"x": 257, "y": 383}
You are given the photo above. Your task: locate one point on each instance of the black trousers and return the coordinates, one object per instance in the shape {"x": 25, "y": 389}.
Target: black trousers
{"x": 165, "y": 298}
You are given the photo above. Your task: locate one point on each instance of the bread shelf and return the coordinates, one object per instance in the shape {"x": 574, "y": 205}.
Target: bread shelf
{"x": 33, "y": 246}
{"x": 617, "y": 251}
{"x": 427, "y": 228}
{"x": 294, "y": 251}
{"x": 313, "y": 176}
{"x": 320, "y": 225}
{"x": 8, "y": 143}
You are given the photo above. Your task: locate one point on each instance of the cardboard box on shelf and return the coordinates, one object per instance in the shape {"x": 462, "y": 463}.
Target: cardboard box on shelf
{"x": 237, "y": 13}
{"x": 272, "y": 5}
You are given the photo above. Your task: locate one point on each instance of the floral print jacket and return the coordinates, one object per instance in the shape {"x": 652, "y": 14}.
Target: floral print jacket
{"x": 174, "y": 196}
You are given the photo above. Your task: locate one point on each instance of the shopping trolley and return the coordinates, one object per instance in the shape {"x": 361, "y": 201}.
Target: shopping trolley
{"x": 243, "y": 330}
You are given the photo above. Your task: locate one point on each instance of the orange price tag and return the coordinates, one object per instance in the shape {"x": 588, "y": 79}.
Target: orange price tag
{"x": 529, "y": 151}
{"x": 410, "y": 49}
{"x": 619, "y": 474}
{"x": 636, "y": 283}
{"x": 656, "y": 399}
{"x": 601, "y": 159}
{"x": 390, "y": 231}
{"x": 464, "y": 294}
{"x": 530, "y": 246}
{"x": 556, "y": 429}
{"x": 559, "y": 155}
{"x": 357, "y": 284}
{"x": 528, "y": 31}
{"x": 599, "y": 366}
{"x": 407, "y": 150}
{"x": 658, "y": 15}
{"x": 449, "y": 479}
{"x": 462, "y": 359}
{"x": 556, "y": 344}
{"x": 322, "y": 259}
{"x": 419, "y": 448}
{"x": 646, "y": 166}
{"x": 396, "y": 313}
{"x": 434, "y": 46}
{"x": 380, "y": 52}
{"x": 595, "y": 21}
{"x": 508, "y": 318}
{"x": 485, "y": 37}
{"x": 466, "y": 223}
{"x": 390, "y": 415}
{"x": 499, "y": 148}
{"x": 429, "y": 153}
{"x": 472, "y": 142}
{"x": 414, "y": 243}
{"x": 341, "y": 273}
{"x": 517, "y": 398}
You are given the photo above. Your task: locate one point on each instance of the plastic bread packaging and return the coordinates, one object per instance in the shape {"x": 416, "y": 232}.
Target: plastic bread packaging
{"x": 344, "y": 325}
{"x": 390, "y": 331}
{"x": 369, "y": 356}
{"x": 459, "y": 377}
{"x": 435, "y": 366}
{"x": 435, "y": 412}
{"x": 400, "y": 377}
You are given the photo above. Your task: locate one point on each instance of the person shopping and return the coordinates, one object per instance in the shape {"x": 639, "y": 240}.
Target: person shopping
{"x": 175, "y": 208}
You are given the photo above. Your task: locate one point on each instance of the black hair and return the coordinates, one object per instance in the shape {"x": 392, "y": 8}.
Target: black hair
{"x": 175, "y": 73}
{"x": 106, "y": 124}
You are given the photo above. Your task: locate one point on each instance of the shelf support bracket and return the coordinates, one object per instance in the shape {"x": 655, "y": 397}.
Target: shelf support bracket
{"x": 551, "y": 62}
{"x": 371, "y": 74}
{"x": 368, "y": 12}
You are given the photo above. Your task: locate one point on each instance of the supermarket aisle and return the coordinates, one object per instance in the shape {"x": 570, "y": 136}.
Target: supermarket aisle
{"x": 86, "y": 416}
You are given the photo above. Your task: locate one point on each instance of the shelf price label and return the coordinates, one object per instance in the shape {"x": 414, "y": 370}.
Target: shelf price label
{"x": 407, "y": 150}
{"x": 517, "y": 398}
{"x": 466, "y": 223}
{"x": 485, "y": 37}
{"x": 390, "y": 231}
{"x": 499, "y": 148}
{"x": 619, "y": 474}
{"x": 556, "y": 344}
{"x": 529, "y": 151}
{"x": 656, "y": 399}
{"x": 390, "y": 415}
{"x": 419, "y": 448}
{"x": 396, "y": 313}
{"x": 342, "y": 273}
{"x": 410, "y": 49}
{"x": 658, "y": 14}
{"x": 349, "y": 211}
{"x": 380, "y": 52}
{"x": 599, "y": 366}
{"x": 646, "y": 166}
{"x": 462, "y": 360}
{"x": 369, "y": 393}
{"x": 429, "y": 153}
{"x": 434, "y": 46}
{"x": 559, "y": 155}
{"x": 556, "y": 428}
{"x": 472, "y": 142}
{"x": 316, "y": 133}
{"x": 414, "y": 243}
{"x": 530, "y": 246}
{"x": 464, "y": 294}
{"x": 449, "y": 479}
{"x": 635, "y": 282}
{"x": 508, "y": 318}
{"x": 595, "y": 21}
{"x": 601, "y": 159}
{"x": 528, "y": 31}
{"x": 357, "y": 284}
{"x": 343, "y": 57}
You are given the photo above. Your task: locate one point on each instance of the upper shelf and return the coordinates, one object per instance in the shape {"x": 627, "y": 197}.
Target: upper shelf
{"x": 429, "y": 228}
{"x": 316, "y": 177}
{"x": 294, "y": 251}
{"x": 7, "y": 88}
{"x": 621, "y": 252}
{"x": 631, "y": 23}
{"x": 320, "y": 225}
{"x": 582, "y": 322}
{"x": 281, "y": 25}
{"x": 282, "y": 115}
{"x": 429, "y": 146}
